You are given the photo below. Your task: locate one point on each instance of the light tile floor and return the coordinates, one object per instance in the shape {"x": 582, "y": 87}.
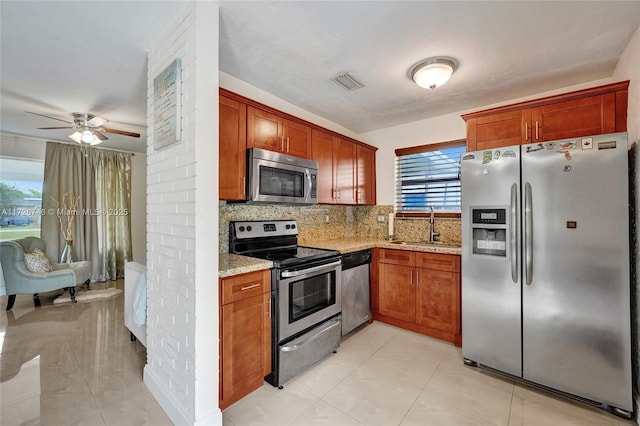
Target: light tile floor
{"x": 74, "y": 364}
{"x": 382, "y": 375}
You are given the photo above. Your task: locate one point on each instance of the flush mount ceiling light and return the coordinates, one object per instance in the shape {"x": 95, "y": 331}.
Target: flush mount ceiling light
{"x": 432, "y": 72}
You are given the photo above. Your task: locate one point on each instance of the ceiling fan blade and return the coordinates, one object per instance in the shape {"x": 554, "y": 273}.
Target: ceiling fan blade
{"x": 100, "y": 135}
{"x": 53, "y": 118}
{"x": 96, "y": 121}
{"x": 50, "y": 128}
{"x": 121, "y": 132}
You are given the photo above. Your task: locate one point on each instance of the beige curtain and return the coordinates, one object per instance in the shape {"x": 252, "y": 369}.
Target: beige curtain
{"x": 113, "y": 201}
{"x": 68, "y": 170}
{"x": 101, "y": 228}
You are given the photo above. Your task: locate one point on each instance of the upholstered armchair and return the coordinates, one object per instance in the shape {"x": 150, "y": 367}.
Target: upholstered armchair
{"x": 20, "y": 280}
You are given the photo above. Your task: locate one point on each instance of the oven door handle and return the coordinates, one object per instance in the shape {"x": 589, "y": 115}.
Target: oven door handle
{"x": 290, "y": 274}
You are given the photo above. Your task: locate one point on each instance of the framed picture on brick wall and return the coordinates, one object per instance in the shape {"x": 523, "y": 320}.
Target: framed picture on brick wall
{"x": 167, "y": 126}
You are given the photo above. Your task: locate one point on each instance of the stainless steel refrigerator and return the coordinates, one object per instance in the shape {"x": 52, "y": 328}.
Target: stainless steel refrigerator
{"x": 545, "y": 266}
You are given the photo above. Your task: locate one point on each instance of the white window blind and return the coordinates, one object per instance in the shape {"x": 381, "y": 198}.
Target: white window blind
{"x": 430, "y": 178}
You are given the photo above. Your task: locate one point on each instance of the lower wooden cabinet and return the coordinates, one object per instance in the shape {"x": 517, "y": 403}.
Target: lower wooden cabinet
{"x": 420, "y": 292}
{"x": 245, "y": 334}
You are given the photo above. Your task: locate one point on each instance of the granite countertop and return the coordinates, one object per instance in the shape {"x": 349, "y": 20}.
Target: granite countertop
{"x": 348, "y": 245}
{"x": 234, "y": 264}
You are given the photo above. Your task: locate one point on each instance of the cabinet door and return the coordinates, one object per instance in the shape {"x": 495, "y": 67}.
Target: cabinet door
{"x": 366, "y": 175}
{"x": 264, "y": 130}
{"x": 322, "y": 152}
{"x": 233, "y": 144}
{"x": 436, "y": 299}
{"x": 581, "y": 117}
{"x": 396, "y": 293}
{"x": 242, "y": 350}
{"x": 344, "y": 167}
{"x": 297, "y": 139}
{"x": 496, "y": 130}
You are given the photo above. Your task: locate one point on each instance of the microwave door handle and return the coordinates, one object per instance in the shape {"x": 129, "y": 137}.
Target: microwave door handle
{"x": 328, "y": 266}
{"x": 307, "y": 196}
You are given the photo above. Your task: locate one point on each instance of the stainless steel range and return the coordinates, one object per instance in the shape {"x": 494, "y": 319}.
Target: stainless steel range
{"x": 306, "y": 294}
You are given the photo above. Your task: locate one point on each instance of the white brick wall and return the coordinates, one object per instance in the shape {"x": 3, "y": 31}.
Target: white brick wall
{"x": 182, "y": 231}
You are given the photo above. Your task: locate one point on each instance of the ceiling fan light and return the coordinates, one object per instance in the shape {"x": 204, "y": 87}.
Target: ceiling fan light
{"x": 432, "y": 72}
{"x": 87, "y": 137}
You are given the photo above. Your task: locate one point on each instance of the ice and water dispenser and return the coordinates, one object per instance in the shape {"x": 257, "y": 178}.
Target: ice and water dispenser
{"x": 489, "y": 230}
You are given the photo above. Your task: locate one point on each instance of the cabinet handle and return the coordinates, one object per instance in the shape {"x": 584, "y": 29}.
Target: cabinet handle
{"x": 287, "y": 143}
{"x": 269, "y": 309}
{"x": 417, "y": 279}
{"x": 249, "y": 287}
{"x": 411, "y": 278}
{"x": 338, "y": 191}
{"x": 537, "y": 137}
{"x": 358, "y": 196}
{"x": 282, "y": 143}
{"x": 526, "y": 131}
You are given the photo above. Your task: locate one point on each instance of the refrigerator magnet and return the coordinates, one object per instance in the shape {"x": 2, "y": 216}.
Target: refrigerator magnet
{"x": 587, "y": 143}
{"x": 486, "y": 157}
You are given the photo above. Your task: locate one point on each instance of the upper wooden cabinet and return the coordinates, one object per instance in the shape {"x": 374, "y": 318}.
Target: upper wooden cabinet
{"x": 346, "y": 170}
{"x": 322, "y": 152}
{"x": 270, "y": 131}
{"x": 346, "y": 167}
{"x": 586, "y": 112}
{"x": 233, "y": 145}
{"x": 366, "y": 175}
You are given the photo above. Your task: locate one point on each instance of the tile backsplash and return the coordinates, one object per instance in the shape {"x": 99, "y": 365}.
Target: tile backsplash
{"x": 326, "y": 222}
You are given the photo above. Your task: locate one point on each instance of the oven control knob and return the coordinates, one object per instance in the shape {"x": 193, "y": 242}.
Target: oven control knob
{"x": 241, "y": 229}
{"x": 293, "y": 226}
{"x": 249, "y": 228}
{"x": 288, "y": 226}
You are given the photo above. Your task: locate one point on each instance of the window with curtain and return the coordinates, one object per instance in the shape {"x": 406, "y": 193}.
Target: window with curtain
{"x": 101, "y": 229}
{"x": 429, "y": 176}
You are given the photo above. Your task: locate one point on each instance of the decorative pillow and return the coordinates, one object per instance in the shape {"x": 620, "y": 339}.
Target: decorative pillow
{"x": 37, "y": 261}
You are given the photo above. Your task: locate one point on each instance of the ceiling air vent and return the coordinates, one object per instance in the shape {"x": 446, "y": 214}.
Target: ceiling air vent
{"x": 347, "y": 81}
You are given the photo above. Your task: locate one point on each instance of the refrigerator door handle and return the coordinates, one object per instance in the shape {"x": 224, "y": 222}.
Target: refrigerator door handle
{"x": 514, "y": 233}
{"x": 528, "y": 233}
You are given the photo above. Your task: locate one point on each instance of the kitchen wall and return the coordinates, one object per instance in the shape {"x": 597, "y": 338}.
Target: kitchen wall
{"x": 432, "y": 130}
{"x": 325, "y": 222}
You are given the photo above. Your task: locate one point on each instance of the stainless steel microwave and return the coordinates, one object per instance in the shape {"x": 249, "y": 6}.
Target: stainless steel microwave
{"x": 275, "y": 178}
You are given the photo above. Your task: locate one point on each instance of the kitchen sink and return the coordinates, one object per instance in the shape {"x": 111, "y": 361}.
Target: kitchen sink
{"x": 421, "y": 244}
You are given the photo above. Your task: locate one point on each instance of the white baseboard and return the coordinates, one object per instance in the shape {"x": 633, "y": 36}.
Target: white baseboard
{"x": 175, "y": 412}
{"x": 213, "y": 419}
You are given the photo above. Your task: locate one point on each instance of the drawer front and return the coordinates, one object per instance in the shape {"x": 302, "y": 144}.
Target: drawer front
{"x": 240, "y": 287}
{"x": 398, "y": 257}
{"x": 438, "y": 261}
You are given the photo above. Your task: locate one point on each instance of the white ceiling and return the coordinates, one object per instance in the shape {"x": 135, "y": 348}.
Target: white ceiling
{"x": 59, "y": 57}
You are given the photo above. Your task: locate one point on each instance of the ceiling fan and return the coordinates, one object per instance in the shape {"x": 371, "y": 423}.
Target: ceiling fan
{"x": 89, "y": 128}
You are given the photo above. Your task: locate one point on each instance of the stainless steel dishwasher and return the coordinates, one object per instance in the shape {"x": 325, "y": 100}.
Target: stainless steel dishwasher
{"x": 356, "y": 299}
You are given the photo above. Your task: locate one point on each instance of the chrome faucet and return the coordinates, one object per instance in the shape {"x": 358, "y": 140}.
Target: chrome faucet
{"x": 432, "y": 232}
